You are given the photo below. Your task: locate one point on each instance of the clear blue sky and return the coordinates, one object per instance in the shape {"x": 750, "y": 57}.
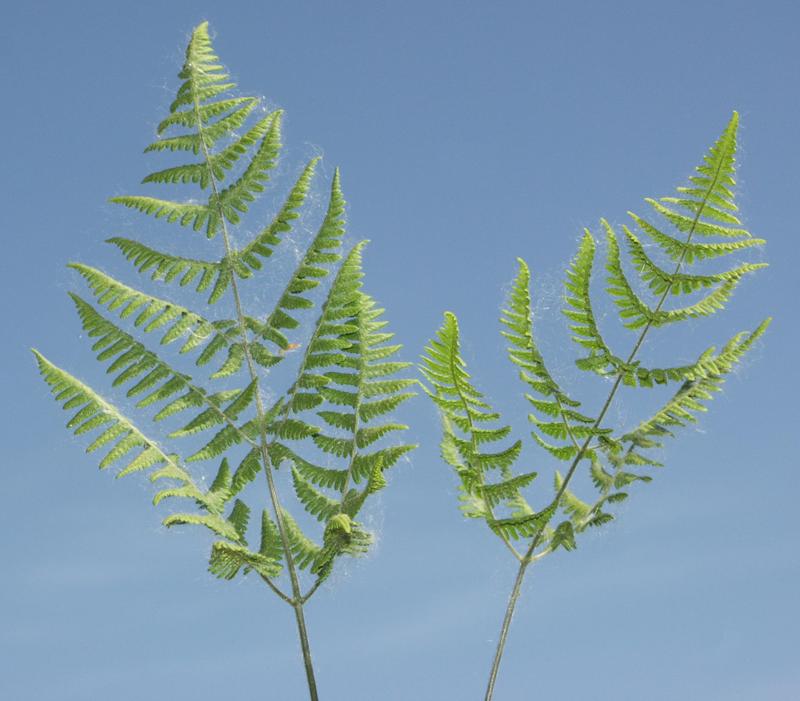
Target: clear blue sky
{"x": 468, "y": 134}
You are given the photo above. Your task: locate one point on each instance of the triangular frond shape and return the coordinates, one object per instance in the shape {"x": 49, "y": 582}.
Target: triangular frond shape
{"x": 224, "y": 146}
{"x": 707, "y": 209}
{"x": 348, "y": 341}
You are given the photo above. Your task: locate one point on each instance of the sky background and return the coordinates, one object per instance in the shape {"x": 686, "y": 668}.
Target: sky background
{"x": 468, "y": 134}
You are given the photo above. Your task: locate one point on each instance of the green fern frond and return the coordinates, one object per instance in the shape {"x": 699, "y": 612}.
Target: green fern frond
{"x": 217, "y": 163}
{"x": 94, "y": 412}
{"x": 322, "y": 252}
{"x": 523, "y": 351}
{"x": 234, "y": 199}
{"x": 635, "y": 313}
{"x": 578, "y": 298}
{"x": 130, "y": 360}
{"x": 152, "y": 313}
{"x": 185, "y": 213}
{"x": 304, "y": 550}
{"x": 223, "y": 127}
{"x": 347, "y": 374}
{"x": 690, "y": 399}
{"x": 688, "y": 252}
{"x": 262, "y": 246}
{"x": 462, "y": 406}
{"x": 706, "y": 208}
{"x": 129, "y": 448}
{"x": 227, "y": 559}
{"x": 660, "y": 281}
{"x": 315, "y": 502}
{"x": 519, "y": 527}
{"x": 167, "y": 267}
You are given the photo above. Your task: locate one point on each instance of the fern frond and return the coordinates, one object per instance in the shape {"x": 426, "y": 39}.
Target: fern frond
{"x": 304, "y": 550}
{"x": 523, "y": 351}
{"x": 247, "y": 259}
{"x": 315, "y": 502}
{"x": 518, "y": 527}
{"x": 690, "y": 398}
{"x": 217, "y": 163}
{"x": 211, "y": 134}
{"x": 635, "y": 313}
{"x": 587, "y": 333}
{"x": 687, "y": 252}
{"x": 167, "y": 267}
{"x": 130, "y": 360}
{"x": 461, "y": 405}
{"x": 320, "y": 255}
{"x": 152, "y": 313}
{"x": 660, "y": 281}
{"x": 235, "y": 198}
{"x": 94, "y": 412}
{"x": 128, "y": 447}
{"x": 185, "y": 213}
{"x": 227, "y": 559}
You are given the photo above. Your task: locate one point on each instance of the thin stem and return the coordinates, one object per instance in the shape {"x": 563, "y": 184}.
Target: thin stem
{"x": 537, "y": 537}
{"x": 301, "y": 630}
{"x": 501, "y": 643}
{"x": 296, "y": 599}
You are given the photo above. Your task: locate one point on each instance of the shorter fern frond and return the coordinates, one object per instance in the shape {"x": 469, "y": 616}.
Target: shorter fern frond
{"x": 464, "y": 412}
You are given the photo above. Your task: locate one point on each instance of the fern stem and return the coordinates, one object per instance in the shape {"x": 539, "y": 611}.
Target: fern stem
{"x": 303, "y": 633}
{"x": 296, "y": 599}
{"x": 537, "y": 537}
{"x": 501, "y": 643}
{"x": 275, "y": 588}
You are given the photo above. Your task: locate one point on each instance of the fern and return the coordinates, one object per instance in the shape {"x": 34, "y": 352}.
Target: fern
{"x": 615, "y": 457}
{"x": 346, "y": 384}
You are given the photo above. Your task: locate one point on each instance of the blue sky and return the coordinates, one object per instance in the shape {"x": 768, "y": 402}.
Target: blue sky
{"x": 468, "y": 134}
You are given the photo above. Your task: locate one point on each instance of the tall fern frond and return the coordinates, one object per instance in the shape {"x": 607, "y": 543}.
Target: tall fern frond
{"x": 337, "y": 407}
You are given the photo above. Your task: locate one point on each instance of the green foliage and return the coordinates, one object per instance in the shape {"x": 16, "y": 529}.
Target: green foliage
{"x": 616, "y": 457}
{"x": 346, "y": 384}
